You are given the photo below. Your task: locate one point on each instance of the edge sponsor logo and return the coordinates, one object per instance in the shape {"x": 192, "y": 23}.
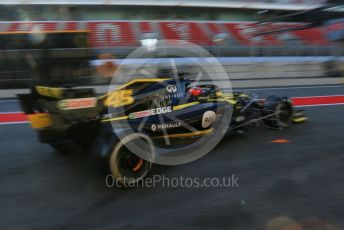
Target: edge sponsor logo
{"x": 80, "y": 103}
{"x": 171, "y": 125}
{"x": 150, "y": 112}
{"x": 171, "y": 88}
{"x": 160, "y": 110}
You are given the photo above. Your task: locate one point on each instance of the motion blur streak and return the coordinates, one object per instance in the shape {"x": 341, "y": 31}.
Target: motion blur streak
{"x": 18, "y": 117}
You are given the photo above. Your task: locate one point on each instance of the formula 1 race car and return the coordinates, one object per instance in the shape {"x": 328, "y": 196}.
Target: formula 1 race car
{"x": 76, "y": 120}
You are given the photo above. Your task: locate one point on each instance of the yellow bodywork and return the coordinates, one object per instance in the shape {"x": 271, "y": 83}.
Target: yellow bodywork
{"x": 299, "y": 119}
{"x": 123, "y": 96}
{"x": 49, "y": 91}
{"x": 224, "y": 97}
{"x": 142, "y": 80}
{"x": 139, "y": 80}
{"x": 183, "y": 106}
{"x": 39, "y": 120}
{"x": 119, "y": 98}
{"x": 115, "y": 119}
{"x": 189, "y": 134}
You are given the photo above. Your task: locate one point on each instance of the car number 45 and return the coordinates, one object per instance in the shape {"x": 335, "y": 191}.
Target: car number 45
{"x": 119, "y": 98}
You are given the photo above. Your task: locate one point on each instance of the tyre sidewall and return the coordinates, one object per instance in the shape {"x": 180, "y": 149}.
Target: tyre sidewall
{"x": 113, "y": 159}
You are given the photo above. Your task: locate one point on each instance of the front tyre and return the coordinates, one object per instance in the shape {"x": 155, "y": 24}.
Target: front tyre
{"x": 279, "y": 111}
{"x": 126, "y": 167}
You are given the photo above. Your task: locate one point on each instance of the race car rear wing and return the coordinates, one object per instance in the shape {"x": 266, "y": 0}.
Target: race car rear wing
{"x": 29, "y": 102}
{"x": 59, "y": 108}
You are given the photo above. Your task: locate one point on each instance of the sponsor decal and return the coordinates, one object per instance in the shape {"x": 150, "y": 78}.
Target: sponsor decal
{"x": 153, "y": 127}
{"x": 172, "y": 125}
{"x": 172, "y": 96}
{"x": 119, "y": 98}
{"x": 161, "y": 110}
{"x": 135, "y": 115}
{"x": 208, "y": 119}
{"x": 171, "y": 88}
{"x": 80, "y": 103}
{"x": 150, "y": 112}
{"x": 132, "y": 116}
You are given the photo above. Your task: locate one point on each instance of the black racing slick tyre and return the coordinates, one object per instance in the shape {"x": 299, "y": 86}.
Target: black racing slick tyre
{"x": 126, "y": 167}
{"x": 278, "y": 111}
{"x": 67, "y": 147}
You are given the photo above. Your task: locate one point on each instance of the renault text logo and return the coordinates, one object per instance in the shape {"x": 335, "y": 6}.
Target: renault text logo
{"x": 171, "y": 88}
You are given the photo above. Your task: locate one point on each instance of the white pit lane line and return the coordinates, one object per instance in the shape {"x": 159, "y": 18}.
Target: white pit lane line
{"x": 14, "y": 123}
{"x": 301, "y": 106}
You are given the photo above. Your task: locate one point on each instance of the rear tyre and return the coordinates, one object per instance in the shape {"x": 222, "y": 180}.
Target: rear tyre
{"x": 67, "y": 147}
{"x": 126, "y": 167}
{"x": 281, "y": 111}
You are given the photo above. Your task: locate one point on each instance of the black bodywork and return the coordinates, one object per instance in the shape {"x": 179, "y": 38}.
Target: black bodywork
{"x": 77, "y": 120}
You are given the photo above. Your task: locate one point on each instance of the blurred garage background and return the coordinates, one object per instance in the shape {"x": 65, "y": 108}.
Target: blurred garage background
{"x": 58, "y": 44}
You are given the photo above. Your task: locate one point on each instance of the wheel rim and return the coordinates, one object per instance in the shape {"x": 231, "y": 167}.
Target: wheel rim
{"x": 127, "y": 167}
{"x": 130, "y": 165}
{"x": 284, "y": 113}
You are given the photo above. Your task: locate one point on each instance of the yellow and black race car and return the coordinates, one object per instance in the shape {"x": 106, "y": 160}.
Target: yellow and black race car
{"x": 148, "y": 110}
